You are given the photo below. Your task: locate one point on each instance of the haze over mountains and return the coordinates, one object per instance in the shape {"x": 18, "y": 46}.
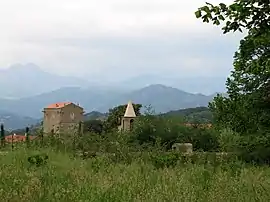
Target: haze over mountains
{"x": 25, "y": 80}
{"x": 31, "y": 89}
{"x": 160, "y": 97}
{"x": 15, "y": 121}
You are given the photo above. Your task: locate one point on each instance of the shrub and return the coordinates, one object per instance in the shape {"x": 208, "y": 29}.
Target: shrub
{"x": 38, "y": 160}
{"x": 93, "y": 126}
{"x": 148, "y": 128}
{"x": 255, "y": 149}
{"x": 165, "y": 160}
{"x": 145, "y": 128}
{"x": 229, "y": 140}
{"x": 204, "y": 139}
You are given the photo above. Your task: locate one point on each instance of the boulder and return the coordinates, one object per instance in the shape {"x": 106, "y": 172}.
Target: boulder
{"x": 183, "y": 147}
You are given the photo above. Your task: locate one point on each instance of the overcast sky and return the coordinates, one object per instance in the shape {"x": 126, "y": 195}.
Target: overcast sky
{"x": 117, "y": 38}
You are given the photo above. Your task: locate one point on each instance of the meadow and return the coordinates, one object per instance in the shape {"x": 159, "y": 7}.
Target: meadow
{"x": 70, "y": 178}
{"x": 137, "y": 165}
{"x": 141, "y": 165}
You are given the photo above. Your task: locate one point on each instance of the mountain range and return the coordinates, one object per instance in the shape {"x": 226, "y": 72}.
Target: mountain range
{"x": 26, "y": 80}
{"x": 161, "y": 98}
{"x": 19, "y": 81}
{"x": 27, "y": 89}
{"x": 191, "y": 115}
{"x": 13, "y": 121}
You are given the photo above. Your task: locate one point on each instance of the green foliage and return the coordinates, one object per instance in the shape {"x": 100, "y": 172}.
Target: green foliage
{"x": 38, "y": 160}
{"x": 116, "y": 114}
{"x": 93, "y": 126}
{"x": 192, "y": 115}
{"x": 247, "y": 108}
{"x": 248, "y": 14}
{"x": 187, "y": 111}
{"x": 229, "y": 140}
{"x": 86, "y": 155}
{"x": 97, "y": 179}
{"x": 235, "y": 113}
{"x": 204, "y": 139}
{"x": 165, "y": 160}
{"x": 255, "y": 149}
{"x": 148, "y": 129}
{"x": 145, "y": 129}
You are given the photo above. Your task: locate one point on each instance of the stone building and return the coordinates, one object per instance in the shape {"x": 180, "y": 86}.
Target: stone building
{"x": 62, "y": 117}
{"x": 128, "y": 118}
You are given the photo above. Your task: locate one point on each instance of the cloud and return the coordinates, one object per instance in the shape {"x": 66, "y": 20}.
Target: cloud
{"x": 120, "y": 17}
{"x": 113, "y": 38}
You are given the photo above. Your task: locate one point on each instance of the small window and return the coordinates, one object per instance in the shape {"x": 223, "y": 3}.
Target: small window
{"x": 72, "y": 115}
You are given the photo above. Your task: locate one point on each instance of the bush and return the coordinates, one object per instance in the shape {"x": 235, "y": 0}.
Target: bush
{"x": 148, "y": 129}
{"x": 145, "y": 128}
{"x": 38, "y": 160}
{"x": 204, "y": 139}
{"x": 165, "y": 160}
{"x": 229, "y": 140}
{"x": 255, "y": 149}
{"x": 93, "y": 126}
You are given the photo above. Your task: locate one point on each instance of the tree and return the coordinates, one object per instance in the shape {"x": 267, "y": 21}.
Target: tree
{"x": 252, "y": 15}
{"x": 247, "y": 108}
{"x": 2, "y": 135}
{"x": 116, "y": 114}
{"x": 95, "y": 126}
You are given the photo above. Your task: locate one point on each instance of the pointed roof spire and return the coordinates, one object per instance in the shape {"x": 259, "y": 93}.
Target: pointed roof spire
{"x": 130, "y": 112}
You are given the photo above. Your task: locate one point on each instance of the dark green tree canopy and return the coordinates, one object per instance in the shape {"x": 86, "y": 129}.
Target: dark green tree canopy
{"x": 247, "y": 108}
{"x": 94, "y": 126}
{"x": 117, "y": 113}
{"x": 247, "y": 14}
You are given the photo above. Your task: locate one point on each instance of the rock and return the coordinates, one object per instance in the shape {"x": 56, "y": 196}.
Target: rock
{"x": 183, "y": 147}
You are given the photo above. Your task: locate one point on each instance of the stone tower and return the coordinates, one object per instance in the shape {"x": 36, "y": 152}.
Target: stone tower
{"x": 128, "y": 119}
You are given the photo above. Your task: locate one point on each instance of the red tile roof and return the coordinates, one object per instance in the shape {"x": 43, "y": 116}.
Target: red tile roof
{"x": 18, "y": 138}
{"x": 58, "y": 105}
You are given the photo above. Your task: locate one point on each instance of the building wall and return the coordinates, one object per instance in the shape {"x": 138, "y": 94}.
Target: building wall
{"x": 70, "y": 110}
{"x": 68, "y": 128}
{"x": 51, "y": 120}
{"x": 62, "y": 120}
{"x": 126, "y": 124}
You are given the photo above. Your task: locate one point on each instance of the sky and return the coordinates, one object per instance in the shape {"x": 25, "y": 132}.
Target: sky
{"x": 114, "y": 39}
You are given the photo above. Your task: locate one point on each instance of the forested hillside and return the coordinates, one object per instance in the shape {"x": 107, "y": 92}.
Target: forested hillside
{"x": 192, "y": 115}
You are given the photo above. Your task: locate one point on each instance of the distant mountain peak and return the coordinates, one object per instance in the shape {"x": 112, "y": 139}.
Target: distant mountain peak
{"x": 162, "y": 98}
{"x": 25, "y": 68}
{"x": 32, "y": 66}
{"x": 20, "y": 80}
{"x": 160, "y": 88}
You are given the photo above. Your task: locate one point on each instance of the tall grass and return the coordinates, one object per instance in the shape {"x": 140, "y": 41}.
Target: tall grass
{"x": 65, "y": 178}
{"x": 134, "y": 166}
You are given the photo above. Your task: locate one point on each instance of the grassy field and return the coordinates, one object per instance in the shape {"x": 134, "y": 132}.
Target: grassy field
{"x": 66, "y": 179}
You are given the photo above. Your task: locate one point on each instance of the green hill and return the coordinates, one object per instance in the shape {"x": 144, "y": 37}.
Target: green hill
{"x": 197, "y": 114}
